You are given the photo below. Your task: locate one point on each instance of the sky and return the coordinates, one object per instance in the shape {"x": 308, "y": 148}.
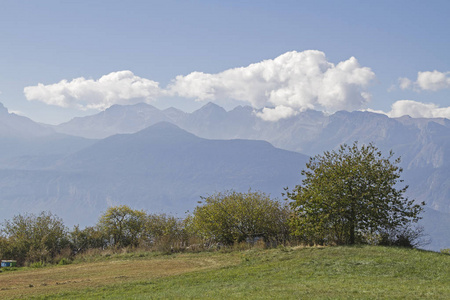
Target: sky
{"x": 63, "y": 59}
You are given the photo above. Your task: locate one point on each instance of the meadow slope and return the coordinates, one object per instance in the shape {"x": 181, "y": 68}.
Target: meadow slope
{"x": 365, "y": 272}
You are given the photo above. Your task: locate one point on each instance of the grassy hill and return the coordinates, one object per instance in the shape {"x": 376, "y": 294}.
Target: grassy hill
{"x": 365, "y": 272}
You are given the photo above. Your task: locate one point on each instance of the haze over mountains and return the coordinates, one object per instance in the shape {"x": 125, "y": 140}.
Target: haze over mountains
{"x": 163, "y": 160}
{"x": 423, "y": 144}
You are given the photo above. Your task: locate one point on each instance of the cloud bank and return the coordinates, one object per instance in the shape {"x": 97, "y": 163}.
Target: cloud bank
{"x": 418, "y": 110}
{"x": 279, "y": 88}
{"x": 427, "y": 81}
{"x": 284, "y": 86}
{"x": 121, "y": 87}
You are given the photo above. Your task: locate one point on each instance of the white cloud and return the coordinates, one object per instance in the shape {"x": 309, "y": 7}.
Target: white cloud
{"x": 428, "y": 81}
{"x": 405, "y": 83}
{"x": 121, "y": 87}
{"x": 433, "y": 81}
{"x": 292, "y": 82}
{"x": 274, "y": 114}
{"x": 280, "y": 87}
{"x": 416, "y": 109}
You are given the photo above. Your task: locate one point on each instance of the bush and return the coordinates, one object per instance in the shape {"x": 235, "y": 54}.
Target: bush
{"x": 64, "y": 261}
{"x": 406, "y": 236}
{"x": 88, "y": 238}
{"x": 165, "y": 233}
{"x": 446, "y": 251}
{"x": 31, "y": 238}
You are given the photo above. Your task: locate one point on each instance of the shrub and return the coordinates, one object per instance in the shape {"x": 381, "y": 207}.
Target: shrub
{"x": 403, "y": 236}
{"x": 31, "y": 238}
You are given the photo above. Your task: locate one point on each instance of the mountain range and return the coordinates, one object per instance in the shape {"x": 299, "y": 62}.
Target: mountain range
{"x": 423, "y": 144}
{"x": 164, "y": 160}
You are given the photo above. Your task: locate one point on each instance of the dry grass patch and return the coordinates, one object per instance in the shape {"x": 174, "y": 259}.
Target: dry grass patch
{"x": 59, "y": 279}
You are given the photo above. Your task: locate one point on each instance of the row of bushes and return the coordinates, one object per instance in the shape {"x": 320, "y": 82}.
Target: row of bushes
{"x": 222, "y": 219}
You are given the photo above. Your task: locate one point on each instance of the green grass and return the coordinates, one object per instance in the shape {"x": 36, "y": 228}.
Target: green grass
{"x": 364, "y": 272}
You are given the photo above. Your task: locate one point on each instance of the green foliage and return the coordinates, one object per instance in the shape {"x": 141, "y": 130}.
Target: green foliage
{"x": 123, "y": 225}
{"x": 403, "y": 236}
{"x": 64, "y": 261}
{"x": 446, "y": 251}
{"x": 87, "y": 238}
{"x": 348, "y": 194}
{"x": 231, "y": 217}
{"x": 165, "y": 232}
{"x": 37, "y": 265}
{"x": 33, "y": 238}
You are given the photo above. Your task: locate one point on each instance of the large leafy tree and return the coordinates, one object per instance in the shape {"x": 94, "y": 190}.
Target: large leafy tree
{"x": 350, "y": 194}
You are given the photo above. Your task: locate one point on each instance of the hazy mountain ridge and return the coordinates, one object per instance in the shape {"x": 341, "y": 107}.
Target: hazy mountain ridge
{"x": 15, "y": 126}
{"x": 310, "y": 132}
{"x": 114, "y": 120}
{"x": 21, "y": 139}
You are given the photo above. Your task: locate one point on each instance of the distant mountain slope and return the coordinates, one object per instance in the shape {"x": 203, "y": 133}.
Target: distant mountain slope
{"x": 114, "y": 120}
{"x": 419, "y": 141}
{"x": 21, "y": 139}
{"x": 161, "y": 168}
{"x": 14, "y": 126}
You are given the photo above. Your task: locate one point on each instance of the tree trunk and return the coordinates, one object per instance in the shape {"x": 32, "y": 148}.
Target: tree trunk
{"x": 352, "y": 225}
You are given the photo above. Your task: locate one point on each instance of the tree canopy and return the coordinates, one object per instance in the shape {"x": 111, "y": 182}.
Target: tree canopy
{"x": 123, "y": 225}
{"x": 231, "y": 216}
{"x": 33, "y": 237}
{"x": 349, "y": 194}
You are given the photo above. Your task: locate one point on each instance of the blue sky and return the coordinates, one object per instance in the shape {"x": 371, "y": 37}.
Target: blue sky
{"x": 45, "y": 42}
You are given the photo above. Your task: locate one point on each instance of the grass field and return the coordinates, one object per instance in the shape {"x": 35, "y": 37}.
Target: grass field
{"x": 286, "y": 273}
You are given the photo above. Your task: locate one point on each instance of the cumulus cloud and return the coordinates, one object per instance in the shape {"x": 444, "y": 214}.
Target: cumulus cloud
{"x": 278, "y": 88}
{"x": 433, "y": 80}
{"x": 284, "y": 86}
{"x": 121, "y": 87}
{"x": 427, "y": 81}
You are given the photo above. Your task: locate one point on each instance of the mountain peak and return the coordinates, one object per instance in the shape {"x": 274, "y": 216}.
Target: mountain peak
{"x": 164, "y": 125}
{"x": 210, "y": 111}
{"x": 119, "y": 107}
{"x": 173, "y": 110}
{"x": 212, "y": 107}
{"x": 166, "y": 130}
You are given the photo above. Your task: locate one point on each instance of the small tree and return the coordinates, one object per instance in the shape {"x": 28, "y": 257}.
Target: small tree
{"x": 123, "y": 225}
{"x": 350, "y": 193}
{"x": 233, "y": 217}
